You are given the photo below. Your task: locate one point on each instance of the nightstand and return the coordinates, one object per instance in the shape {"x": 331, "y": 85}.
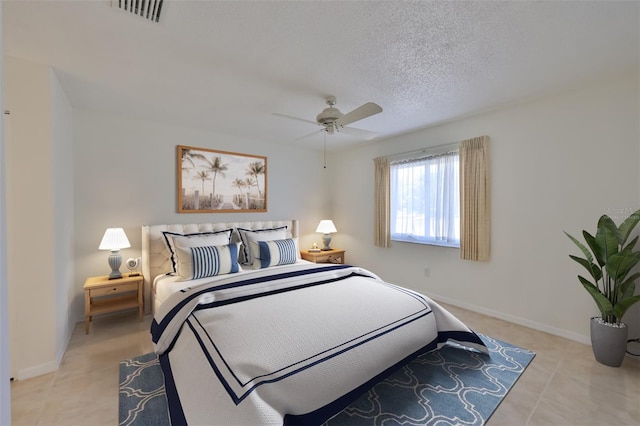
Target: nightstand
{"x": 324, "y": 256}
{"x": 102, "y": 295}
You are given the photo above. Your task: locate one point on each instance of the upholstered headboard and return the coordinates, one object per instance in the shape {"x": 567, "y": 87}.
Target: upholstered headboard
{"x": 155, "y": 256}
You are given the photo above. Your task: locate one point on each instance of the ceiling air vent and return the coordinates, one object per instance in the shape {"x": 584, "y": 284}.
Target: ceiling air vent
{"x": 147, "y": 9}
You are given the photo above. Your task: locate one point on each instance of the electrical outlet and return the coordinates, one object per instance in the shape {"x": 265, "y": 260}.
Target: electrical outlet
{"x": 427, "y": 272}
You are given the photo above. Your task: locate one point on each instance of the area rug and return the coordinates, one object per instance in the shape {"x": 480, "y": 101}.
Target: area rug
{"x": 452, "y": 386}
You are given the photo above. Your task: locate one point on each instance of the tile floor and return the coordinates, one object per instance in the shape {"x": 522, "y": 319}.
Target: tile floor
{"x": 563, "y": 385}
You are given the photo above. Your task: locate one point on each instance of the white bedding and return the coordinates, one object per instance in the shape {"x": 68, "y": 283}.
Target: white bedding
{"x": 167, "y": 284}
{"x": 290, "y": 345}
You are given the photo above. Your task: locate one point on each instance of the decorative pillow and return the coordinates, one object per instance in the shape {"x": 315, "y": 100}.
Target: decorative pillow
{"x": 248, "y": 235}
{"x": 173, "y": 240}
{"x": 207, "y": 261}
{"x": 274, "y": 252}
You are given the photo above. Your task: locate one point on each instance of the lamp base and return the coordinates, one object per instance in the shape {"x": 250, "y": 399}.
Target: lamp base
{"x": 326, "y": 239}
{"x": 115, "y": 260}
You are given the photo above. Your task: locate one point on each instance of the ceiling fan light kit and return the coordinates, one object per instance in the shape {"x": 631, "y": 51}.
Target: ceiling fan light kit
{"x": 330, "y": 116}
{"x": 332, "y": 120}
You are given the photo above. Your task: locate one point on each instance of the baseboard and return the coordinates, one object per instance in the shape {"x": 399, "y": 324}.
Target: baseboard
{"x": 47, "y": 367}
{"x": 580, "y": 338}
{"x": 38, "y": 370}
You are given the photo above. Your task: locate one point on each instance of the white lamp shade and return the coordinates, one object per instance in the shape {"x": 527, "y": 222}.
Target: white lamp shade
{"x": 114, "y": 239}
{"x": 326, "y": 227}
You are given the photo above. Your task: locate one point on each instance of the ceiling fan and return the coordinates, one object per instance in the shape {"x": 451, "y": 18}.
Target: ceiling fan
{"x": 332, "y": 120}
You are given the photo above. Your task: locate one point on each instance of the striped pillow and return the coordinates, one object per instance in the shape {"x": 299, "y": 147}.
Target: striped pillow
{"x": 173, "y": 241}
{"x": 248, "y": 235}
{"x": 207, "y": 261}
{"x": 274, "y": 252}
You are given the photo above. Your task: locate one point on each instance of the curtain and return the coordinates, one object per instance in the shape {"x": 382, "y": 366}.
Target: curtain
{"x": 475, "y": 206}
{"x": 382, "y": 235}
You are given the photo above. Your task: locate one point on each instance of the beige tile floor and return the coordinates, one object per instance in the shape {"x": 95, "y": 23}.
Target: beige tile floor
{"x": 563, "y": 385}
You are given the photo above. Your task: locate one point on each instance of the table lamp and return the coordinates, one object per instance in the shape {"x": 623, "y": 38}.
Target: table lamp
{"x": 326, "y": 227}
{"x": 114, "y": 239}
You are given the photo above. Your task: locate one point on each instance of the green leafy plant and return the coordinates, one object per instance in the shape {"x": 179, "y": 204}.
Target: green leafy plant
{"x": 609, "y": 260}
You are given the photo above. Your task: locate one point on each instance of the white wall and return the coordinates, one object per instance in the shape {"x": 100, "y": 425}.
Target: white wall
{"x": 557, "y": 164}
{"x": 39, "y": 217}
{"x": 62, "y": 139}
{"x": 5, "y": 392}
{"x": 125, "y": 176}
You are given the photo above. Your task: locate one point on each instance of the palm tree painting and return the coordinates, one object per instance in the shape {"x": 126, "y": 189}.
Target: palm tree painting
{"x": 255, "y": 169}
{"x": 234, "y": 182}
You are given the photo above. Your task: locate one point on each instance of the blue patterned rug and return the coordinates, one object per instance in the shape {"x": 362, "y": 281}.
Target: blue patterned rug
{"x": 451, "y": 386}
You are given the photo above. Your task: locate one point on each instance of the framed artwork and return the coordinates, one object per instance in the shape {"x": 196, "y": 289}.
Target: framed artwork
{"x": 211, "y": 181}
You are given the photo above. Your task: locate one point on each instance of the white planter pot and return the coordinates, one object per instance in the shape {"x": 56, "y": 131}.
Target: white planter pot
{"x": 608, "y": 341}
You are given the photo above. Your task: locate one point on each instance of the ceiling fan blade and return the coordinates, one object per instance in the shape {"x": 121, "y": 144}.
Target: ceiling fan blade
{"x": 359, "y": 133}
{"x": 295, "y": 118}
{"x": 359, "y": 113}
{"x": 309, "y": 135}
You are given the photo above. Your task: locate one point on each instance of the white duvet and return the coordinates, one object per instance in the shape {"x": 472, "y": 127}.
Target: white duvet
{"x": 167, "y": 284}
{"x": 290, "y": 345}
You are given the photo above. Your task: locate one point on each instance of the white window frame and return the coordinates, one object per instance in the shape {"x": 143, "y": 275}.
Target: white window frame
{"x": 428, "y": 230}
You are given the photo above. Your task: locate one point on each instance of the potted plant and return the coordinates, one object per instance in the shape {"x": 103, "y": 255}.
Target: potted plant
{"x": 609, "y": 259}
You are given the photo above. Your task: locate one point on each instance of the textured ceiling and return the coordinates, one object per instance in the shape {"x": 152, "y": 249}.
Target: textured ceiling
{"x": 229, "y": 65}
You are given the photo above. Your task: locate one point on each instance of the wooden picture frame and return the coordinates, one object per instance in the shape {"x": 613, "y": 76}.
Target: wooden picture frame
{"x": 211, "y": 181}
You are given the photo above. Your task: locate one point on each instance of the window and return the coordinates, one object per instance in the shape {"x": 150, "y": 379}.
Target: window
{"x": 425, "y": 200}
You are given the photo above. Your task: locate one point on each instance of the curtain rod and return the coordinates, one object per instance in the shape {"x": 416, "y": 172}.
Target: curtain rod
{"x": 432, "y": 150}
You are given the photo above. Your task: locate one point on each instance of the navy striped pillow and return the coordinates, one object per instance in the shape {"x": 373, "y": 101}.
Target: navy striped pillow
{"x": 267, "y": 234}
{"x": 207, "y": 261}
{"x": 274, "y": 252}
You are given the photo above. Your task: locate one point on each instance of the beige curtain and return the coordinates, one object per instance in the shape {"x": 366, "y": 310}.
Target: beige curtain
{"x": 475, "y": 206}
{"x": 382, "y": 234}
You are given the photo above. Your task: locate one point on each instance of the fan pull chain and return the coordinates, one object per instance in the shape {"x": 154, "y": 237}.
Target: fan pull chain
{"x": 325, "y": 149}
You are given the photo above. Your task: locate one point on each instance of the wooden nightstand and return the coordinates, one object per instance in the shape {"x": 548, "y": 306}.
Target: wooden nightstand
{"x": 102, "y": 295}
{"x": 326, "y": 256}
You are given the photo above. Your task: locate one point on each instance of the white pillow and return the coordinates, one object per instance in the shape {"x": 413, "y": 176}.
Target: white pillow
{"x": 207, "y": 261}
{"x": 174, "y": 240}
{"x": 274, "y": 252}
{"x": 248, "y": 235}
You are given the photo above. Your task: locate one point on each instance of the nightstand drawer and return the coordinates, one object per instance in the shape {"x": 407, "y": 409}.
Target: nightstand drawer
{"x": 325, "y": 259}
{"x": 116, "y": 289}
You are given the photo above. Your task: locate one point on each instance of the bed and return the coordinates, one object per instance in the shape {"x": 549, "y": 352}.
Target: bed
{"x": 271, "y": 338}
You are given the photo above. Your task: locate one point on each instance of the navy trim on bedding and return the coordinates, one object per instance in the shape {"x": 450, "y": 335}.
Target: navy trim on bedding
{"x": 173, "y": 400}
{"x": 207, "y": 355}
{"x": 324, "y": 413}
{"x": 158, "y": 328}
{"x": 318, "y": 416}
{"x": 240, "y": 385}
{"x": 272, "y": 292}
{"x": 323, "y": 356}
